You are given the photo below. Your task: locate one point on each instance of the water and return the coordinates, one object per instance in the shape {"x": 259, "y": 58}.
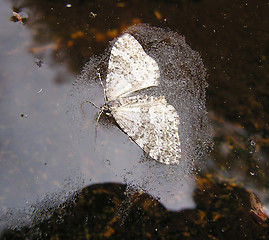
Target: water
{"x": 47, "y": 153}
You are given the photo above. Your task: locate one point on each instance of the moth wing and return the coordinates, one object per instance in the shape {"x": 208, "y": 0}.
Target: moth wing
{"x": 129, "y": 68}
{"x": 153, "y": 124}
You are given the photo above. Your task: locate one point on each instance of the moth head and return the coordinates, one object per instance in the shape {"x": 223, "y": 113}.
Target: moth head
{"x": 106, "y": 109}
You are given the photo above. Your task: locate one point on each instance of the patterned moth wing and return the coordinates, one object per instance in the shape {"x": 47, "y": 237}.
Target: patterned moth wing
{"x": 129, "y": 68}
{"x": 152, "y": 124}
{"x": 150, "y": 121}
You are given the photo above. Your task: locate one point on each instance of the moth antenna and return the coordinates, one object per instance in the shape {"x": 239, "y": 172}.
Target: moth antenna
{"x": 100, "y": 79}
{"x": 101, "y": 109}
{"x": 82, "y": 109}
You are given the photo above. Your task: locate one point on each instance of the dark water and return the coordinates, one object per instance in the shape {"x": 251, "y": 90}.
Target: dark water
{"x": 48, "y": 153}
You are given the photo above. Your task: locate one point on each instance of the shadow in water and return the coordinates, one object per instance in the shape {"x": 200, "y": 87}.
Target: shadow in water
{"x": 224, "y": 211}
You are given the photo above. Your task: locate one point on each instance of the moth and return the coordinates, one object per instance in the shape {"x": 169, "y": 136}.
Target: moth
{"x": 149, "y": 121}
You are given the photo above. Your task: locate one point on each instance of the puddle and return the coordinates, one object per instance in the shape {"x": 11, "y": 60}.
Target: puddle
{"x": 48, "y": 152}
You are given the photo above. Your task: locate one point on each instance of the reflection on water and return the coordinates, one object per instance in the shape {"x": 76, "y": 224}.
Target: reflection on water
{"x": 41, "y": 155}
{"x": 221, "y": 209}
{"x": 182, "y": 82}
{"x": 34, "y": 138}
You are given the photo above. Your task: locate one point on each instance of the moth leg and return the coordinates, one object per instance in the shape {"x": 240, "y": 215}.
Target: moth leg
{"x": 96, "y": 125}
{"x": 98, "y": 118}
